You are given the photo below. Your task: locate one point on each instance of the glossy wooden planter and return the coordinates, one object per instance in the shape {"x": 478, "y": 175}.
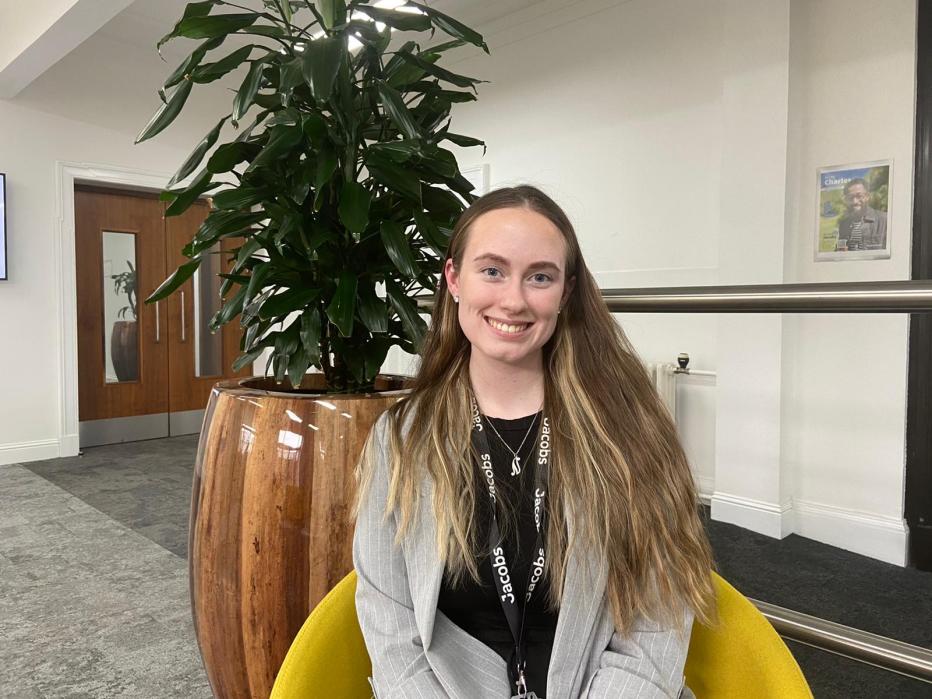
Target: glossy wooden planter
{"x": 271, "y": 522}
{"x": 124, "y": 350}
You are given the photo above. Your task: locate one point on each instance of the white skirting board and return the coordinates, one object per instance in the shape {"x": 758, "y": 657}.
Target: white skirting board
{"x": 21, "y": 452}
{"x": 883, "y": 538}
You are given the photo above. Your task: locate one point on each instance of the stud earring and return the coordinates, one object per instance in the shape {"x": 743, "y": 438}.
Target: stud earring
{"x": 456, "y": 299}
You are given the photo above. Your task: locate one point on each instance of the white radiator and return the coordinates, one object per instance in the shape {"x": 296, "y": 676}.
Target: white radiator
{"x": 664, "y": 380}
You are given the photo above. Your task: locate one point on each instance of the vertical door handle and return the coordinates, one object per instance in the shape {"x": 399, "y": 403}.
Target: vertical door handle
{"x": 158, "y": 324}
{"x": 184, "y": 332}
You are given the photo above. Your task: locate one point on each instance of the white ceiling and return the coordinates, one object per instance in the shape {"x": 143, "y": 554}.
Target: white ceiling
{"x": 111, "y": 79}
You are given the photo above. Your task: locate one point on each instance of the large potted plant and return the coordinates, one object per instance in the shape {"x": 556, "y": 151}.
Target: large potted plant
{"x": 338, "y": 186}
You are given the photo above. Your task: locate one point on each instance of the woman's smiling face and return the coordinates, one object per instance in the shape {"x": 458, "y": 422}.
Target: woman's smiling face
{"x": 511, "y": 284}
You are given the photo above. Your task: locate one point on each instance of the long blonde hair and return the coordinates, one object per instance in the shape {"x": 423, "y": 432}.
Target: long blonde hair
{"x": 616, "y": 463}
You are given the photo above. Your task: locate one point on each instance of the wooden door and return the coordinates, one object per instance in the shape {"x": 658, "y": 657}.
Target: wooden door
{"x": 122, "y": 347}
{"x": 144, "y": 370}
{"x": 198, "y": 358}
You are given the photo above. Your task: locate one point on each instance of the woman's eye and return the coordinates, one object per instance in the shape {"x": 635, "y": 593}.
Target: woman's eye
{"x": 489, "y": 269}
{"x": 542, "y": 278}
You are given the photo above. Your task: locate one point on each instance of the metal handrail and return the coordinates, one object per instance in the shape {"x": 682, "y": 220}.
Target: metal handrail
{"x": 832, "y": 297}
{"x": 863, "y": 646}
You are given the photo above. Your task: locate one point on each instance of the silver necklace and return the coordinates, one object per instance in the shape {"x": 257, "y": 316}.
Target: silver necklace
{"x": 516, "y": 461}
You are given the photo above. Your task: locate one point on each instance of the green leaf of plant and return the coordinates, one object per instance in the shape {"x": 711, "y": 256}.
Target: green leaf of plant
{"x": 213, "y": 71}
{"x": 400, "y": 73}
{"x": 438, "y": 72}
{"x": 192, "y": 9}
{"x": 430, "y": 232}
{"x": 298, "y": 364}
{"x": 230, "y": 309}
{"x": 397, "y": 151}
{"x": 167, "y": 112}
{"x": 343, "y": 305}
{"x": 310, "y": 333}
{"x": 316, "y": 128}
{"x": 228, "y": 156}
{"x": 248, "y": 358}
{"x": 393, "y": 176}
{"x": 321, "y": 63}
{"x": 446, "y": 46}
{"x": 464, "y": 141}
{"x": 282, "y": 140}
{"x": 333, "y": 12}
{"x": 185, "y": 197}
{"x": 406, "y": 309}
{"x": 398, "y": 249}
{"x": 240, "y": 198}
{"x": 403, "y": 21}
{"x": 326, "y": 164}
{"x": 176, "y": 279}
{"x": 197, "y": 154}
{"x": 374, "y": 353}
{"x": 397, "y": 111}
{"x": 247, "y": 90}
{"x": 256, "y": 283}
{"x": 354, "y": 207}
{"x": 373, "y": 311}
{"x": 441, "y": 203}
{"x": 219, "y": 224}
{"x": 452, "y": 26}
{"x": 264, "y": 30}
{"x": 209, "y": 27}
{"x": 191, "y": 62}
{"x": 439, "y": 161}
{"x": 290, "y": 75}
{"x": 282, "y": 304}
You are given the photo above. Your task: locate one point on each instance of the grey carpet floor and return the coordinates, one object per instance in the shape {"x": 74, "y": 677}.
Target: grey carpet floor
{"x": 142, "y": 491}
{"x": 88, "y": 607}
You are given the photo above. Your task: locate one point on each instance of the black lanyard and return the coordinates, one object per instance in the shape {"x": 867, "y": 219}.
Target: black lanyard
{"x": 500, "y": 569}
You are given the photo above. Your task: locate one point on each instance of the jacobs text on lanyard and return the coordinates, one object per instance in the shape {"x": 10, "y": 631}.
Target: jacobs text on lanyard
{"x": 514, "y": 612}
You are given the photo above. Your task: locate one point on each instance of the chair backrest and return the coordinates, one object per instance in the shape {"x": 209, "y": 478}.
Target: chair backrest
{"x": 742, "y": 657}
{"x": 328, "y": 657}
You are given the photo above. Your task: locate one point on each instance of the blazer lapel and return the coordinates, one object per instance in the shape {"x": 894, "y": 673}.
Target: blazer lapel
{"x": 583, "y": 593}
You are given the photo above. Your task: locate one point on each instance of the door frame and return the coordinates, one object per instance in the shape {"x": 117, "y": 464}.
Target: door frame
{"x": 67, "y": 174}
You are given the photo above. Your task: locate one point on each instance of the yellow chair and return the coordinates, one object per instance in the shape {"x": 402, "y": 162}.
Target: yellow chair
{"x": 742, "y": 658}
{"x": 328, "y": 657}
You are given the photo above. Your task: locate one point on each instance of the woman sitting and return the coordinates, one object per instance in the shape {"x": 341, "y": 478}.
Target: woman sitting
{"x": 527, "y": 521}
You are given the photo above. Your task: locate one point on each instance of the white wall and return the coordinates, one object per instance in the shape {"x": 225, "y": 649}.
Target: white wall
{"x": 683, "y": 139}
{"x": 30, "y": 314}
{"x": 844, "y": 384}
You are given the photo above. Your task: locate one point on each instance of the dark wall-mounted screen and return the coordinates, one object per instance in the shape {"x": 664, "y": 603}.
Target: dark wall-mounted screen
{"x": 2, "y": 226}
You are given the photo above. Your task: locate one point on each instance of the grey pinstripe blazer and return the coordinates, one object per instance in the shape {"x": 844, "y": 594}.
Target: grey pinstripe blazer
{"x": 416, "y": 651}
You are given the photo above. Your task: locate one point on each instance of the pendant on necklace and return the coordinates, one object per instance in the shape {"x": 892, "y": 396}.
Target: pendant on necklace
{"x": 516, "y": 465}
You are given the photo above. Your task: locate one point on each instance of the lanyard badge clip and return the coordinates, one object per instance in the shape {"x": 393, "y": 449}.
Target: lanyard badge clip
{"x": 521, "y": 683}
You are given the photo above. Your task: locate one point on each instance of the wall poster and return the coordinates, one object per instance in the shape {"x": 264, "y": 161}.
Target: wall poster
{"x": 852, "y": 222}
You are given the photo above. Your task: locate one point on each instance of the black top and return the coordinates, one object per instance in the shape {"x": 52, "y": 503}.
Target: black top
{"x": 476, "y": 608}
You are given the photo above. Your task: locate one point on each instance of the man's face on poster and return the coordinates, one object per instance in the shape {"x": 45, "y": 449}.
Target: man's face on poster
{"x": 856, "y": 198}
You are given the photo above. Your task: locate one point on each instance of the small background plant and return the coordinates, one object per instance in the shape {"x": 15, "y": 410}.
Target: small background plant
{"x": 125, "y": 283}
